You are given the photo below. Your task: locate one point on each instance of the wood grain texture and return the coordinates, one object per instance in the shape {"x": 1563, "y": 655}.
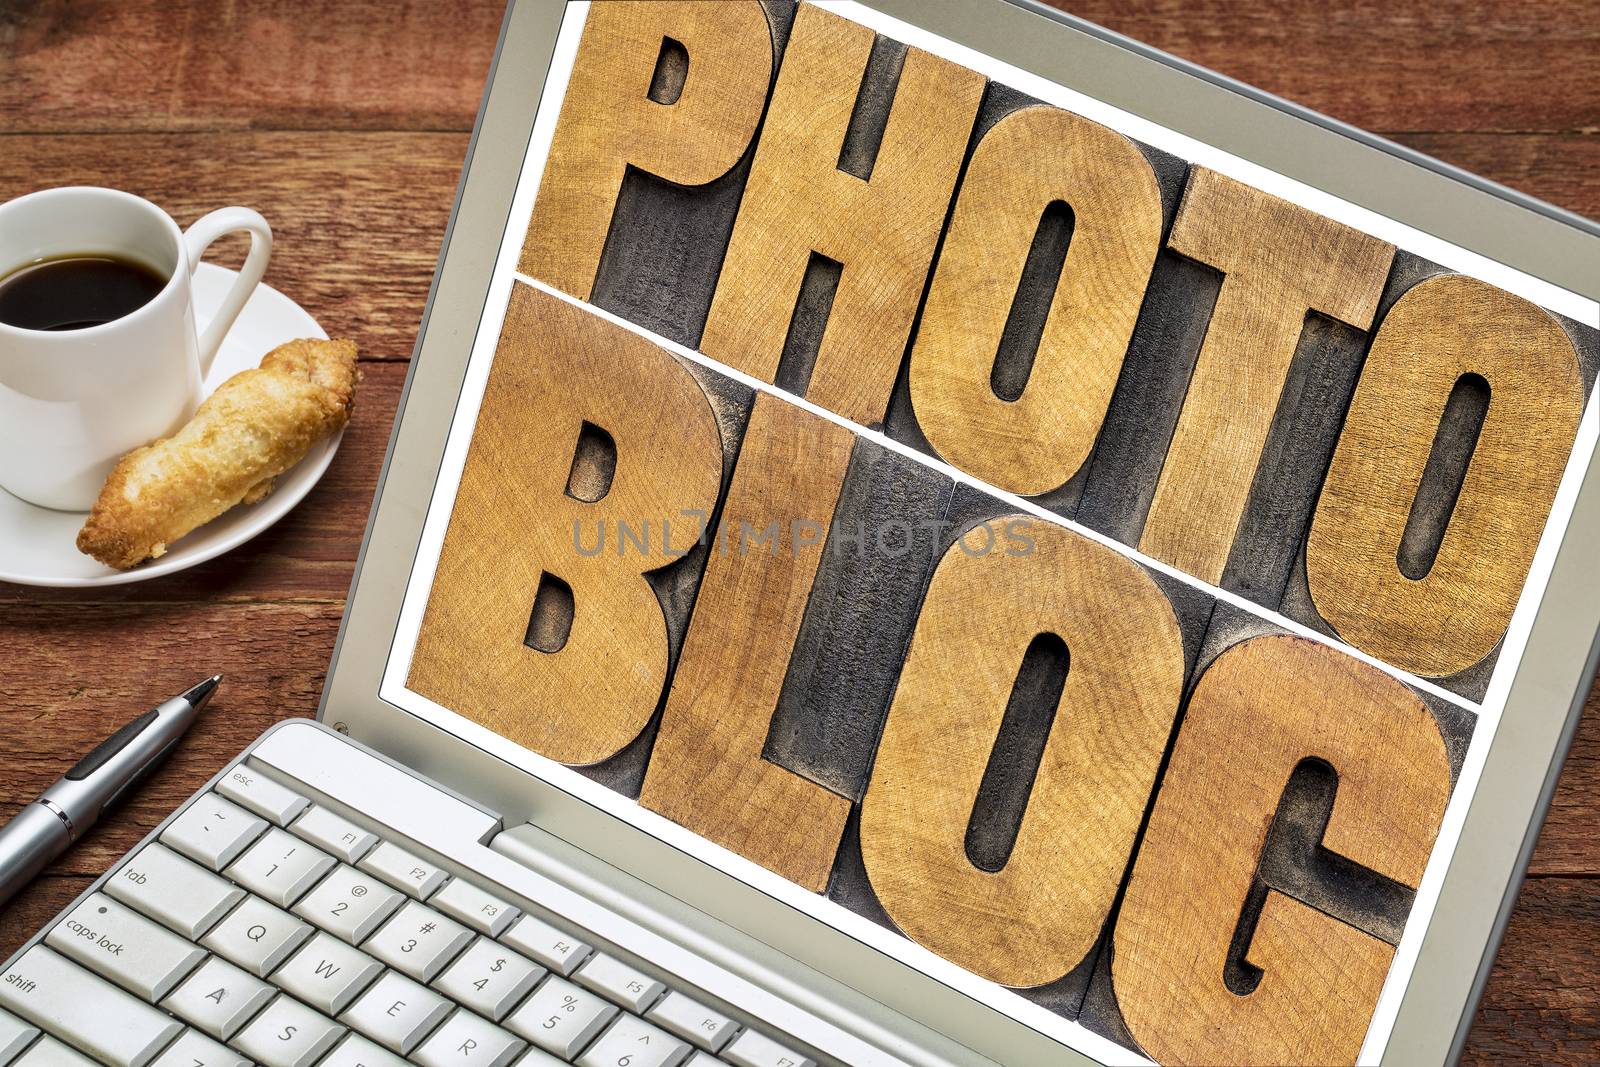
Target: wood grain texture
{"x": 359, "y": 216}
{"x": 706, "y": 771}
{"x": 1038, "y": 916}
{"x": 610, "y": 122}
{"x": 120, "y": 65}
{"x": 1032, "y": 158}
{"x": 1279, "y": 261}
{"x": 1259, "y": 710}
{"x": 1454, "y": 614}
{"x": 1542, "y": 1003}
{"x": 527, "y": 508}
{"x": 103, "y": 65}
{"x": 881, "y": 228}
{"x": 1361, "y": 61}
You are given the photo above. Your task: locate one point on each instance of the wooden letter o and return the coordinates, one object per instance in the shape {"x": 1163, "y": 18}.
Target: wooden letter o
{"x": 1038, "y": 916}
{"x": 1453, "y": 616}
{"x": 1029, "y": 160}
{"x": 1261, "y": 708}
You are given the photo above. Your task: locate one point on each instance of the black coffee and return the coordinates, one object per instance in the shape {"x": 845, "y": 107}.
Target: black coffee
{"x": 76, "y": 292}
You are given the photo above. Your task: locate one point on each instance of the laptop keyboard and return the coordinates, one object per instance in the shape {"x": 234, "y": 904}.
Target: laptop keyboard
{"x": 262, "y": 927}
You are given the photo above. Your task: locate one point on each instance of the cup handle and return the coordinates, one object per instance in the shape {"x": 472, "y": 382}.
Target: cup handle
{"x": 198, "y": 238}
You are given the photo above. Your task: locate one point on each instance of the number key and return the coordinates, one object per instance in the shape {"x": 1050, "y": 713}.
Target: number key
{"x": 348, "y": 904}
{"x": 280, "y": 867}
{"x": 418, "y": 941}
{"x": 561, "y": 1018}
{"x": 489, "y": 978}
{"x": 632, "y": 1042}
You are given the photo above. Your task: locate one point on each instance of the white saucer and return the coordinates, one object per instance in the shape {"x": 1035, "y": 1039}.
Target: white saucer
{"x": 37, "y": 545}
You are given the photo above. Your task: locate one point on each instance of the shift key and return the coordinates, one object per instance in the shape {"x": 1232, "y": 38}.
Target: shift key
{"x": 84, "y": 1010}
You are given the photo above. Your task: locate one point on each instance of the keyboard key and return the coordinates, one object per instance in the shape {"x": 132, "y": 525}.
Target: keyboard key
{"x": 48, "y": 1052}
{"x": 693, "y": 1021}
{"x": 535, "y": 1057}
{"x": 327, "y": 973}
{"x": 561, "y": 1018}
{"x": 704, "y": 1059}
{"x": 213, "y": 831}
{"x": 752, "y": 1049}
{"x": 481, "y": 911}
{"x": 257, "y": 936}
{"x": 280, "y": 867}
{"x": 489, "y": 978}
{"x": 396, "y": 1012}
{"x": 194, "y": 1049}
{"x": 556, "y": 949}
{"x": 253, "y": 790}
{"x": 335, "y": 833}
{"x": 357, "y": 1051}
{"x": 171, "y": 890}
{"x": 404, "y": 871}
{"x": 84, "y": 1010}
{"x": 287, "y": 1034}
{"x": 118, "y": 943}
{"x": 348, "y": 904}
{"x": 14, "y": 1037}
{"x": 470, "y": 1041}
{"x": 632, "y": 1042}
{"x": 418, "y": 941}
{"x": 612, "y": 978}
{"x": 219, "y": 998}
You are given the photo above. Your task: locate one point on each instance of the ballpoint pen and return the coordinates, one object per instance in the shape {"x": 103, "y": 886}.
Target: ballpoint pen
{"x": 64, "y": 812}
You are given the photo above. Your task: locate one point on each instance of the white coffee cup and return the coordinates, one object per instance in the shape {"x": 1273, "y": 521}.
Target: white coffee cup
{"x": 73, "y": 401}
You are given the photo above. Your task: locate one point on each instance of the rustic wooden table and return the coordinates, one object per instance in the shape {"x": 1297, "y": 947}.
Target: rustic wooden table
{"x": 345, "y": 123}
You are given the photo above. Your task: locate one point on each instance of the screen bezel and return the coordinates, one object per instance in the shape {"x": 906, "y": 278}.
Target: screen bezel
{"x": 1548, "y": 689}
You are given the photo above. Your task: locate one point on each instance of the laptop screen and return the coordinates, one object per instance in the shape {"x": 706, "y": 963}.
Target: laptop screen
{"x": 1080, "y": 563}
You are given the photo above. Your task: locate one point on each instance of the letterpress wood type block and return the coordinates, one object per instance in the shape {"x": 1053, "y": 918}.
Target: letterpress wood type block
{"x": 1434, "y": 504}
{"x": 1289, "y": 832}
{"x": 1294, "y": 459}
{"x": 1278, "y": 262}
{"x": 539, "y": 597}
{"x": 1011, "y": 361}
{"x": 664, "y": 250}
{"x": 1027, "y": 912}
{"x": 1028, "y": 432}
{"x": 706, "y": 771}
{"x": 885, "y": 539}
{"x": 676, "y": 584}
{"x": 852, "y": 249}
{"x": 1122, "y": 474}
{"x": 675, "y": 90}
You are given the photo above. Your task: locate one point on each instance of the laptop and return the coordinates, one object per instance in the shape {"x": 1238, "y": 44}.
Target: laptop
{"x": 916, "y": 534}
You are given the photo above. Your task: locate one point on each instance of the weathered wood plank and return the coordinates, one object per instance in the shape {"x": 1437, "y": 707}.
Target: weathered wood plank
{"x": 357, "y": 218}
{"x": 73, "y": 673}
{"x": 149, "y": 64}
{"x": 1388, "y": 66}
{"x": 1542, "y": 1004}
